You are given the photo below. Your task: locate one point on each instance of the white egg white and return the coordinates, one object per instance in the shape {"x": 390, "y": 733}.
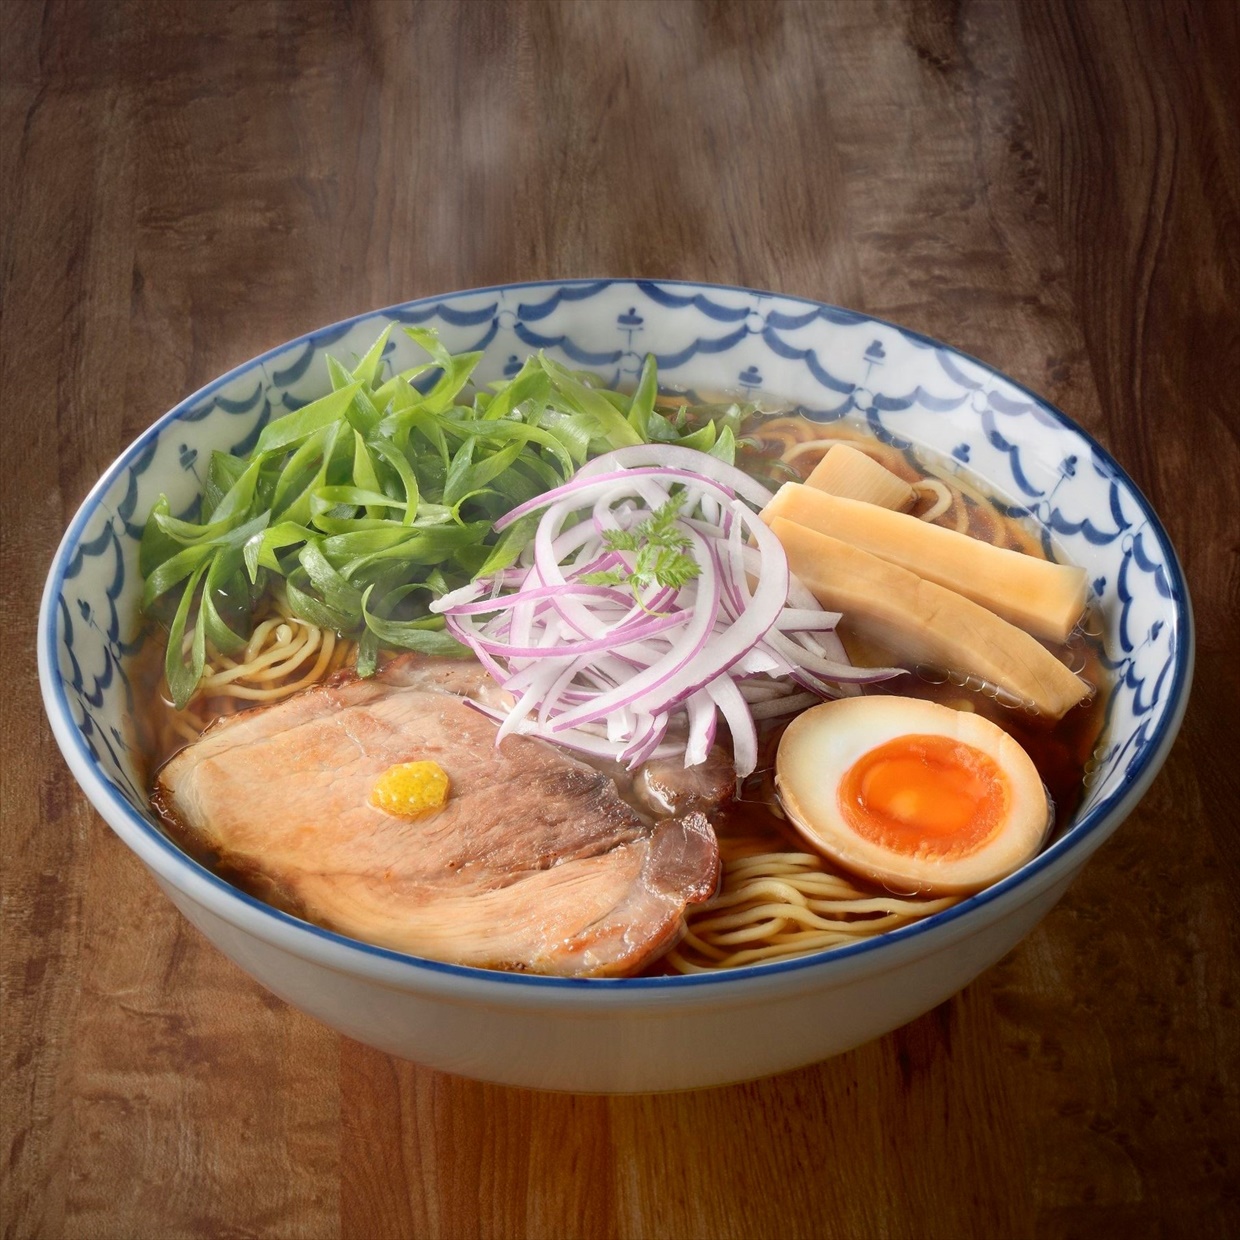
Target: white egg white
{"x": 822, "y": 744}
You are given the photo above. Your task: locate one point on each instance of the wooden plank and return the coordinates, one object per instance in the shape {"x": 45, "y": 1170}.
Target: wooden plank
{"x": 1054, "y": 187}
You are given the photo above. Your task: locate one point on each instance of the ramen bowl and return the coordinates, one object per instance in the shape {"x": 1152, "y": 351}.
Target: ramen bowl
{"x": 647, "y": 1033}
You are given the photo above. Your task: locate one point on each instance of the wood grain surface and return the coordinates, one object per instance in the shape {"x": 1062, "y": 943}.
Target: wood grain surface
{"x": 1053, "y": 186}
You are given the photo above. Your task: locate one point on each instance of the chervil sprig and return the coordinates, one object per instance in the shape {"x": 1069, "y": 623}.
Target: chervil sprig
{"x": 659, "y": 549}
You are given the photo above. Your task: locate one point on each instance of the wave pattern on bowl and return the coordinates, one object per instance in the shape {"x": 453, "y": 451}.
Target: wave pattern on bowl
{"x": 832, "y": 363}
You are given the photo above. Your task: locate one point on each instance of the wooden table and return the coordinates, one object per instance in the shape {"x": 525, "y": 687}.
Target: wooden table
{"x": 1054, "y": 187}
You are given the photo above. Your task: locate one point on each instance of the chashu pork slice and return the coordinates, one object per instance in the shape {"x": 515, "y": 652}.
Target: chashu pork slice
{"x": 534, "y": 863}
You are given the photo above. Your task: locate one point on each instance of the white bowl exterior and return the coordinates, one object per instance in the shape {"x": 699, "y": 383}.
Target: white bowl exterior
{"x": 834, "y": 363}
{"x": 619, "y": 1046}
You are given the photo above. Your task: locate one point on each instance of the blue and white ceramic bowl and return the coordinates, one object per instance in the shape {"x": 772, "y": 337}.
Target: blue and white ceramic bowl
{"x": 635, "y": 1035}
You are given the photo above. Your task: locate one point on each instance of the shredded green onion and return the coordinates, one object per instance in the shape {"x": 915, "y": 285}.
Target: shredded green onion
{"x": 376, "y": 498}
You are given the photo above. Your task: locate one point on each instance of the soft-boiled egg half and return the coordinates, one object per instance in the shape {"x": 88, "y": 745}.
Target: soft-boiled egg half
{"x": 912, "y": 795}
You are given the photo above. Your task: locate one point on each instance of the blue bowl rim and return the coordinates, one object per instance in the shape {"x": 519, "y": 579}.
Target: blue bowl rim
{"x": 1098, "y": 817}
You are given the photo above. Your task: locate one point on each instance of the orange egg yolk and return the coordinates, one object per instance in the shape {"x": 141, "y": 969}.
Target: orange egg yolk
{"x": 925, "y": 796}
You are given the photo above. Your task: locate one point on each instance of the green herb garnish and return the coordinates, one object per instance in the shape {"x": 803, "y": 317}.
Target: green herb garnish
{"x": 660, "y": 552}
{"x": 375, "y": 498}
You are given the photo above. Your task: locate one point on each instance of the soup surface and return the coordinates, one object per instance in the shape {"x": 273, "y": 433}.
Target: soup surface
{"x": 778, "y": 897}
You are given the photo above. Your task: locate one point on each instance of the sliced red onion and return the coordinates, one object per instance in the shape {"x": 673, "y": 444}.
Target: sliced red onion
{"x": 583, "y": 742}
{"x": 795, "y": 619}
{"x": 701, "y": 711}
{"x": 586, "y": 487}
{"x": 739, "y": 718}
{"x": 655, "y": 680}
{"x": 689, "y": 460}
{"x": 762, "y": 689}
{"x": 623, "y": 636}
{"x": 503, "y": 602}
{"x": 786, "y": 704}
{"x": 605, "y": 669}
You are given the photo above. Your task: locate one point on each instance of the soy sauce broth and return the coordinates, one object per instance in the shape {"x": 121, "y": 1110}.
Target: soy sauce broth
{"x": 782, "y": 448}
